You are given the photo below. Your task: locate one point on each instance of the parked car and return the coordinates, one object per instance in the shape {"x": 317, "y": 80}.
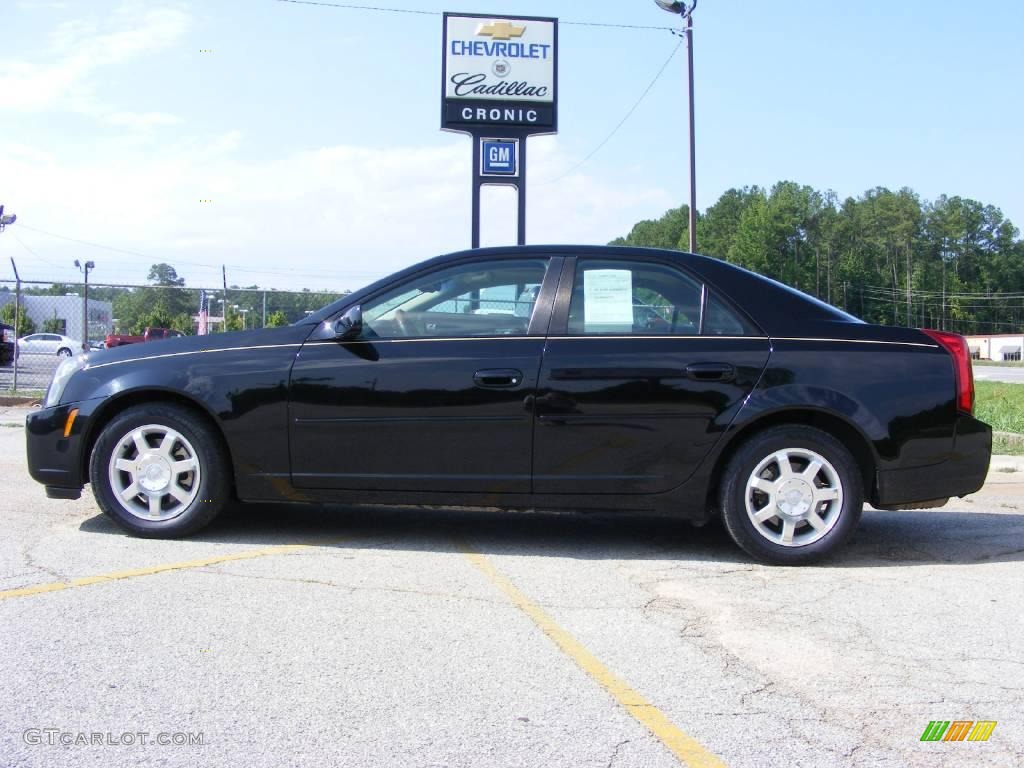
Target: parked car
{"x": 49, "y": 344}
{"x": 149, "y": 334}
{"x": 753, "y": 401}
{"x": 8, "y": 348}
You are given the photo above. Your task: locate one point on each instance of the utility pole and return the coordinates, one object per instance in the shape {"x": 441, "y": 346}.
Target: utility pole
{"x": 909, "y": 311}
{"x": 85, "y": 303}
{"x": 17, "y": 312}
{"x": 224, "y": 279}
{"x": 686, "y": 12}
{"x": 5, "y": 221}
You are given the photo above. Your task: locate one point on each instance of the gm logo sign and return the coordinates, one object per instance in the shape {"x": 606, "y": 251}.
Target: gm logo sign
{"x": 499, "y": 157}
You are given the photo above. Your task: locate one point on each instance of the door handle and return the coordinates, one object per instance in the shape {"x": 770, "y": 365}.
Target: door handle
{"x": 498, "y": 378}
{"x": 711, "y": 372}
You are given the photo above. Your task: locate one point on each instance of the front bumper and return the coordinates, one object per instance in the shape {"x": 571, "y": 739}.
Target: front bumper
{"x": 56, "y": 461}
{"x": 962, "y": 473}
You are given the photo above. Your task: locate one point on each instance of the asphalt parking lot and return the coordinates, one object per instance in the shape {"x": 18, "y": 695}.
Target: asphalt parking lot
{"x": 361, "y": 637}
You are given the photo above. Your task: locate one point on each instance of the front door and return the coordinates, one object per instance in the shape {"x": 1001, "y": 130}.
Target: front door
{"x": 436, "y": 395}
{"x": 642, "y": 372}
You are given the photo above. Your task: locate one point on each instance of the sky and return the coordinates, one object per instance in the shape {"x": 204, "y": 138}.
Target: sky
{"x": 314, "y": 131}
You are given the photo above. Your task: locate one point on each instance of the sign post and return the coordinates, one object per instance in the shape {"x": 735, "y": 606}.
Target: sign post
{"x": 499, "y": 84}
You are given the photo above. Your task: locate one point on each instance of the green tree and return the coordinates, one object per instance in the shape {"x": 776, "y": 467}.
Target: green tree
{"x": 25, "y": 324}
{"x": 165, "y": 274}
{"x": 155, "y": 307}
{"x": 277, "y": 319}
{"x": 53, "y": 324}
{"x": 886, "y": 256}
{"x": 716, "y": 229}
{"x": 670, "y": 231}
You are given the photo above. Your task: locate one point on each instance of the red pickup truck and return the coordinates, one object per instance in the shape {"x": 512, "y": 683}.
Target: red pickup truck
{"x": 150, "y": 334}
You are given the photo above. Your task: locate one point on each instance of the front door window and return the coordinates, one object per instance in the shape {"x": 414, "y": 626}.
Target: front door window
{"x": 465, "y": 301}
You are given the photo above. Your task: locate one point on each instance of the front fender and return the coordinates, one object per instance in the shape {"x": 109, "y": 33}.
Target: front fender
{"x": 243, "y": 389}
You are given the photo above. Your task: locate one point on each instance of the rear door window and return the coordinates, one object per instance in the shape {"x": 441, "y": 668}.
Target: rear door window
{"x": 613, "y": 296}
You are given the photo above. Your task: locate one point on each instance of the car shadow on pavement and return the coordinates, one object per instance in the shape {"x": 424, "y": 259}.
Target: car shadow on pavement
{"x": 884, "y": 539}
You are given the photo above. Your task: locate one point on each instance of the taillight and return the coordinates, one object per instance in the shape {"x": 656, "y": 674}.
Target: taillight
{"x": 956, "y": 345}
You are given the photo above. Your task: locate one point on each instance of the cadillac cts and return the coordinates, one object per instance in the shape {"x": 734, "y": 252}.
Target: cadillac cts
{"x": 581, "y": 378}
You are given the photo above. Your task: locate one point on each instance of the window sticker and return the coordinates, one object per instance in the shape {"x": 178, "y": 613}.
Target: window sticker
{"x": 608, "y": 300}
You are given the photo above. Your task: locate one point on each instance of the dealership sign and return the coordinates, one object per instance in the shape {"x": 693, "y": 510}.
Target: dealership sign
{"x": 499, "y": 71}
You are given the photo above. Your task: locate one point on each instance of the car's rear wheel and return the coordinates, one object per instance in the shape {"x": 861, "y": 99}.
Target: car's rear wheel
{"x": 63, "y": 352}
{"x": 791, "y": 495}
{"x": 159, "y": 471}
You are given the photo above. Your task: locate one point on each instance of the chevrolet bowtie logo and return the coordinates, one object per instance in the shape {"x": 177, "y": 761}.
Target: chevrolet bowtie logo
{"x": 500, "y": 30}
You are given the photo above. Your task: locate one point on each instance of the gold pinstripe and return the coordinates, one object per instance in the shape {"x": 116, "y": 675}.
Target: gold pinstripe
{"x": 520, "y": 338}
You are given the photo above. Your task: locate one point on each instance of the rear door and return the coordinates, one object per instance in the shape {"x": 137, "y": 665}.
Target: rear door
{"x": 643, "y": 370}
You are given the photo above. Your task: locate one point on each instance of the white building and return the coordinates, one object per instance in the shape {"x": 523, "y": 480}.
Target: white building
{"x": 63, "y": 314}
{"x": 997, "y": 346}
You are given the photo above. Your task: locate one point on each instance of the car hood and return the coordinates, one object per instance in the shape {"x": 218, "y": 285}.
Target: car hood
{"x": 264, "y": 337}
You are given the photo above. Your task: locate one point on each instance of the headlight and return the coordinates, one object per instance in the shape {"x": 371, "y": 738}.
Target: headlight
{"x": 61, "y": 377}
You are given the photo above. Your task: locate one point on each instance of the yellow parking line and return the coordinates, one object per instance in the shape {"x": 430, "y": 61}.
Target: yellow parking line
{"x": 90, "y": 580}
{"x": 688, "y": 750}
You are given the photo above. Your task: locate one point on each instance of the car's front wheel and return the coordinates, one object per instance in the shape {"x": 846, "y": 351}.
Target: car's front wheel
{"x": 63, "y": 352}
{"x": 159, "y": 471}
{"x": 791, "y": 495}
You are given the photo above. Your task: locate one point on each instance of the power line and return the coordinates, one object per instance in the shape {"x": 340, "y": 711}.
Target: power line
{"x": 622, "y": 122}
{"x": 901, "y": 293}
{"x": 205, "y": 265}
{"x": 33, "y": 253}
{"x": 350, "y": 7}
{"x": 385, "y": 9}
{"x": 94, "y": 245}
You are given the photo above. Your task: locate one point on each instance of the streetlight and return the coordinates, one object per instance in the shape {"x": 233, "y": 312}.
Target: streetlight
{"x": 85, "y": 304}
{"x": 686, "y": 12}
{"x": 6, "y": 219}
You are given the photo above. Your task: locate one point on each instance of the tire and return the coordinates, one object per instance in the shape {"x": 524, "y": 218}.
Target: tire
{"x": 786, "y": 516}
{"x": 63, "y": 352}
{"x": 189, "y": 477}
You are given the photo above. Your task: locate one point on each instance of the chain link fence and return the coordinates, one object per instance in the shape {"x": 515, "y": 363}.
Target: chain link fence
{"x": 42, "y": 323}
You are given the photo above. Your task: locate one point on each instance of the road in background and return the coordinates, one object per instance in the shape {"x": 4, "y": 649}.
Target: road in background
{"x": 1005, "y": 373}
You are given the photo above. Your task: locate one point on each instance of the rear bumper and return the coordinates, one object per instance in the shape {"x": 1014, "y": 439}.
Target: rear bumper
{"x": 54, "y": 460}
{"x": 962, "y": 473}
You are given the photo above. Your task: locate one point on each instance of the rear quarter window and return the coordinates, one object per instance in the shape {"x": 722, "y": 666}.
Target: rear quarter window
{"x": 722, "y": 320}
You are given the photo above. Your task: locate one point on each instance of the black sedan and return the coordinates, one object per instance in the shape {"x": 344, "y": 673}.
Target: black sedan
{"x": 559, "y": 377}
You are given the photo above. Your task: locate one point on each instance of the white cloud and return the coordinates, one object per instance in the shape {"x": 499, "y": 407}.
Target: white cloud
{"x": 347, "y": 213}
{"x": 141, "y": 120}
{"x": 78, "y": 49}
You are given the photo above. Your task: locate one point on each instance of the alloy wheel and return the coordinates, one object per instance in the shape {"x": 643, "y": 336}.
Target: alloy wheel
{"x": 794, "y": 497}
{"x": 154, "y": 473}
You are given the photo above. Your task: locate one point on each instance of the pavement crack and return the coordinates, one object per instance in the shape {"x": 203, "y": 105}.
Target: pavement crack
{"x": 30, "y": 562}
{"x": 765, "y": 687}
{"x": 615, "y": 752}
{"x": 353, "y": 588}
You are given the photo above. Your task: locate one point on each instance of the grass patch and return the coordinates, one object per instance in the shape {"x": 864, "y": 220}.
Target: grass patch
{"x": 1004, "y": 446}
{"x": 1001, "y": 405}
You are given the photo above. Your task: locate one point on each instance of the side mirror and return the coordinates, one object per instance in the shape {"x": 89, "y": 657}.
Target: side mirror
{"x": 350, "y": 325}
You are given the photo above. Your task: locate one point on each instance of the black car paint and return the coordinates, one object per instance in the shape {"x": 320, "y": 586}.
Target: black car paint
{"x": 621, "y": 423}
